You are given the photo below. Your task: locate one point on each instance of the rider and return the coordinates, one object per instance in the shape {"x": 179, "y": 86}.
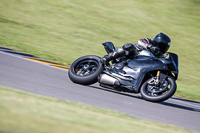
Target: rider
{"x": 158, "y": 46}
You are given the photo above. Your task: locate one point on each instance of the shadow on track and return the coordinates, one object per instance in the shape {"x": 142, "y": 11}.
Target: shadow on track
{"x": 174, "y": 105}
{"x": 180, "y": 106}
{"x": 116, "y": 92}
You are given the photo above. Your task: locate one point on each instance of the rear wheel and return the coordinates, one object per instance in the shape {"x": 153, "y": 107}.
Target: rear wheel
{"x": 157, "y": 92}
{"x": 85, "y": 70}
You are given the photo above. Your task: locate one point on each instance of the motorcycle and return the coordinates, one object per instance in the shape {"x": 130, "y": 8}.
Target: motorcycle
{"x": 153, "y": 77}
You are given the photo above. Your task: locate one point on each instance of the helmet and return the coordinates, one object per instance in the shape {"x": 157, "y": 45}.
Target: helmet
{"x": 162, "y": 41}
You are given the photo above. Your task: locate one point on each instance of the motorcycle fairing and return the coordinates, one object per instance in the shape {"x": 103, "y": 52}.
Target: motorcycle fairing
{"x": 173, "y": 66}
{"x": 135, "y": 70}
{"x": 141, "y": 66}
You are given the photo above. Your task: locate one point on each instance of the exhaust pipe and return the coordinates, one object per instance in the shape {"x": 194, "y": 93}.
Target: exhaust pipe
{"x": 108, "y": 80}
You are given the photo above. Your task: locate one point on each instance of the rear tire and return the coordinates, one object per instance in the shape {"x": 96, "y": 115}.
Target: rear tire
{"x": 159, "y": 97}
{"x": 85, "y": 70}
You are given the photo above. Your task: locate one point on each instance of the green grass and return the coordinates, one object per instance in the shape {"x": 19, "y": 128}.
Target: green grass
{"x": 22, "y": 112}
{"x": 63, "y": 30}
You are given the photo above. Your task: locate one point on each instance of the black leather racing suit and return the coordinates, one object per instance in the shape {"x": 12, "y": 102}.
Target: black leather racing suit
{"x": 129, "y": 50}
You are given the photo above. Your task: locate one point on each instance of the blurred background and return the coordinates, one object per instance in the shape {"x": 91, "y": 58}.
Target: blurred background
{"x": 63, "y": 30}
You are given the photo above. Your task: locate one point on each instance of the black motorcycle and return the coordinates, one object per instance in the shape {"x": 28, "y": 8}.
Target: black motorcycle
{"x": 155, "y": 78}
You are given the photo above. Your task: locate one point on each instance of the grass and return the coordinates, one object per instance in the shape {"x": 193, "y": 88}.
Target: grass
{"x": 22, "y": 112}
{"x": 63, "y": 30}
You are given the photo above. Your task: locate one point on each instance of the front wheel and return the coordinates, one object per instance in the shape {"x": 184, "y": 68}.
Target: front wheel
{"x": 153, "y": 92}
{"x": 85, "y": 70}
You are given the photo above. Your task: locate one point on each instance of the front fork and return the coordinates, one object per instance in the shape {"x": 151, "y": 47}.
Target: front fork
{"x": 157, "y": 78}
{"x": 158, "y": 74}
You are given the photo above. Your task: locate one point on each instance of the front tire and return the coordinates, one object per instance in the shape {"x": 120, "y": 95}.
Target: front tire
{"x": 85, "y": 70}
{"x": 155, "y": 95}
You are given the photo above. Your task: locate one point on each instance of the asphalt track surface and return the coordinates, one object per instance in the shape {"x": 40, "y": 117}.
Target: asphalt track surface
{"x": 43, "y": 79}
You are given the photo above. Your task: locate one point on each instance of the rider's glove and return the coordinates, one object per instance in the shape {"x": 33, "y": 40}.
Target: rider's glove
{"x": 155, "y": 50}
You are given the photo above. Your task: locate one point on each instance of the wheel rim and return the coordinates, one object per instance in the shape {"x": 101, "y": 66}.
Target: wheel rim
{"x": 86, "y": 67}
{"x": 155, "y": 90}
